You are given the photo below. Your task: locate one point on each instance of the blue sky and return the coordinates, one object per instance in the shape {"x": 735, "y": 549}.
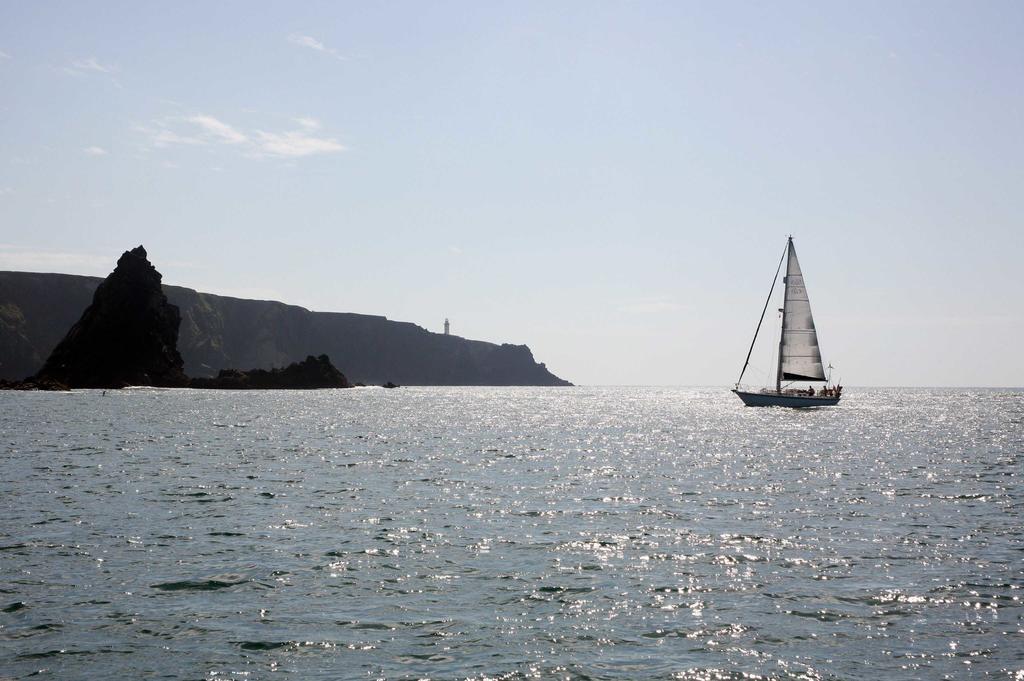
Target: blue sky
{"x": 610, "y": 183}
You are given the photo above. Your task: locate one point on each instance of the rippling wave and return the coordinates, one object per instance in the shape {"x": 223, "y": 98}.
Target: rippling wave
{"x": 510, "y": 533}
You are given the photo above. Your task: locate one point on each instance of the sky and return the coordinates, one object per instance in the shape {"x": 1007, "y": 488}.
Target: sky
{"x": 610, "y": 183}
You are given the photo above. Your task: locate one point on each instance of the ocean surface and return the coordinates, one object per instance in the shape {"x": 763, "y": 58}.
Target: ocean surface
{"x": 510, "y": 533}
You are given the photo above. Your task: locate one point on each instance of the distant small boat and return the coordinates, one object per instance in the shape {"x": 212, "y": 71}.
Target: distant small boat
{"x": 799, "y": 356}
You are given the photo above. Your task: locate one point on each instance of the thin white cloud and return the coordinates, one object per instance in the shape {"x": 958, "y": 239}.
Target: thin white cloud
{"x": 4, "y": 55}
{"x": 28, "y": 260}
{"x": 167, "y": 138}
{"x": 93, "y": 67}
{"x": 5, "y": 191}
{"x": 92, "y": 64}
{"x": 312, "y": 43}
{"x": 206, "y": 130}
{"x": 295, "y": 144}
{"x": 307, "y": 41}
{"x": 218, "y": 129}
{"x": 95, "y": 151}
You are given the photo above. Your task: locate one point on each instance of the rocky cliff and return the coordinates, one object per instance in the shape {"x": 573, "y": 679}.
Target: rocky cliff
{"x": 126, "y": 336}
{"x": 218, "y": 332}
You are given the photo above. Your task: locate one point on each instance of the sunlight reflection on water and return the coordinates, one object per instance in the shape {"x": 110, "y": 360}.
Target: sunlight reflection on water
{"x": 510, "y": 533}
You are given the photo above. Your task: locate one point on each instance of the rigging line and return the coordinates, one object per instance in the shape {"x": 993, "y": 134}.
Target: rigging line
{"x": 759, "y": 322}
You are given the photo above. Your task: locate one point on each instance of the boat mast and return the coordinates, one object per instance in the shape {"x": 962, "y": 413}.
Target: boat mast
{"x": 782, "y": 331}
{"x": 775, "y": 279}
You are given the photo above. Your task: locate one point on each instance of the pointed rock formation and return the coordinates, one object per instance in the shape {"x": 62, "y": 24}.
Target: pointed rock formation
{"x": 128, "y": 336}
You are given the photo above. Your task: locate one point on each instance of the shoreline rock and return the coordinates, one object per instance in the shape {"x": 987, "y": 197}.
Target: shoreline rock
{"x": 311, "y": 373}
{"x": 127, "y": 336}
{"x": 33, "y": 384}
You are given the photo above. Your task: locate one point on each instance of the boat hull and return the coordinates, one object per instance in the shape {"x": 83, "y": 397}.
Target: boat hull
{"x": 784, "y": 400}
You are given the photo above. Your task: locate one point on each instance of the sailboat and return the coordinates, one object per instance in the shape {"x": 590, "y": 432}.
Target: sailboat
{"x": 799, "y": 356}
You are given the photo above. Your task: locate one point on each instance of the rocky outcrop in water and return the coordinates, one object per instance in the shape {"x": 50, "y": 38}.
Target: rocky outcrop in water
{"x": 127, "y": 336}
{"x": 32, "y": 384}
{"x": 312, "y": 372}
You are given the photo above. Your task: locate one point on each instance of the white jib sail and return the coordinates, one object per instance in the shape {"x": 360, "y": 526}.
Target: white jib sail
{"x": 801, "y": 359}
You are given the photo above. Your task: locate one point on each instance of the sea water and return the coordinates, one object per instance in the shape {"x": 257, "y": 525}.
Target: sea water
{"x": 510, "y": 533}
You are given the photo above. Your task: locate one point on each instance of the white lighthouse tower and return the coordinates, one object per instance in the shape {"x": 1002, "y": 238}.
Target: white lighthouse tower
{"x": 447, "y": 326}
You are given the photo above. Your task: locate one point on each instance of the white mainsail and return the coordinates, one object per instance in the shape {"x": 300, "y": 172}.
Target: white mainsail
{"x": 800, "y": 358}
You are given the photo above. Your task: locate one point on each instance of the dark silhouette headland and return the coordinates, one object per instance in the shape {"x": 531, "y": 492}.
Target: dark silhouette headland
{"x": 128, "y": 335}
